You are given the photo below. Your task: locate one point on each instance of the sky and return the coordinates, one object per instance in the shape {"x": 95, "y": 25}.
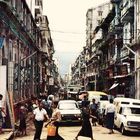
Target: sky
{"x": 67, "y": 22}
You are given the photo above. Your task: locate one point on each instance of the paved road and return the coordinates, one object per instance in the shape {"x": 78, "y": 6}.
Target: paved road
{"x": 69, "y": 132}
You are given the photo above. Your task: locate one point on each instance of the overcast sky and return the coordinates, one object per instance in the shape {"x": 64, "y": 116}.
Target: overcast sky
{"x": 67, "y": 20}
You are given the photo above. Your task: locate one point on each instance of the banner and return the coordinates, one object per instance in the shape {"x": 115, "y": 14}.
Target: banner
{"x": 1, "y": 42}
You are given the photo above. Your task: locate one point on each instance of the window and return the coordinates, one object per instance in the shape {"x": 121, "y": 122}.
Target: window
{"x": 120, "y": 111}
{"x": 10, "y": 51}
{"x": 124, "y": 102}
{"x": 136, "y": 103}
{"x": 100, "y": 13}
{"x": 135, "y": 110}
{"x": 37, "y": 2}
{"x": 98, "y": 22}
{"x": 64, "y": 106}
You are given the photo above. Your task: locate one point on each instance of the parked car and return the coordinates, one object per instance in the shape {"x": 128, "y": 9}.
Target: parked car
{"x": 127, "y": 117}
{"x": 70, "y": 111}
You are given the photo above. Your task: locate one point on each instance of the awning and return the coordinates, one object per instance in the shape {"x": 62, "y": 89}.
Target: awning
{"x": 114, "y": 85}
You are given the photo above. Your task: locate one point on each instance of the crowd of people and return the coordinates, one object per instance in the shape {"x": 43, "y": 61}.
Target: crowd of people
{"x": 90, "y": 110}
{"x": 45, "y": 109}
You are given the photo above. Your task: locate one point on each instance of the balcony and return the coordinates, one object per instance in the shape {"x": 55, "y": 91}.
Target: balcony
{"x": 124, "y": 54}
{"x": 128, "y": 11}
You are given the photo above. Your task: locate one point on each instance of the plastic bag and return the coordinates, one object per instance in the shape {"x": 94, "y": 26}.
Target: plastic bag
{"x": 51, "y": 130}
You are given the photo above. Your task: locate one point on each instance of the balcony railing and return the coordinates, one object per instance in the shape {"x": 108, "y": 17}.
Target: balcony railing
{"x": 128, "y": 11}
{"x": 124, "y": 53}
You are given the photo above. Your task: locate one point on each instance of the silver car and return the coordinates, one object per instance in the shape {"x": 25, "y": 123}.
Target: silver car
{"x": 70, "y": 111}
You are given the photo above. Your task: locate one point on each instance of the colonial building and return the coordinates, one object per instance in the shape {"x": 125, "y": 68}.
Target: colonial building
{"x": 112, "y": 50}
{"x": 94, "y": 18}
{"x": 137, "y": 46}
{"x": 26, "y": 50}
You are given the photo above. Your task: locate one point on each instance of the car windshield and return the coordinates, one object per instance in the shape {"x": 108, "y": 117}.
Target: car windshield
{"x": 132, "y": 111}
{"x": 65, "y": 106}
{"x": 104, "y": 97}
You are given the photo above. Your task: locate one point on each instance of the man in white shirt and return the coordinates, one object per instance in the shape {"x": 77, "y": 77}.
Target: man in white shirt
{"x": 110, "y": 113}
{"x": 40, "y": 115}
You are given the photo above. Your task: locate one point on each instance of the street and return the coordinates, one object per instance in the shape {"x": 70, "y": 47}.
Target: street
{"x": 69, "y": 132}
{"x": 69, "y": 61}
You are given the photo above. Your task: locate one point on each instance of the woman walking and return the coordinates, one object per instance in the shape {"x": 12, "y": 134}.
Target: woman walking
{"x": 56, "y": 117}
{"x": 86, "y": 129}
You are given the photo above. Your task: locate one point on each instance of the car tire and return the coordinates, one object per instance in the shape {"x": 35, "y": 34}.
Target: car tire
{"x": 123, "y": 131}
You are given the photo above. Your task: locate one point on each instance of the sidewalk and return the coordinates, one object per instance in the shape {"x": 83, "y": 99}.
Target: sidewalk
{"x": 7, "y": 135}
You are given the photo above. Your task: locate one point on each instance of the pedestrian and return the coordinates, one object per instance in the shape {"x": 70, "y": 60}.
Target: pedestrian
{"x": 22, "y": 118}
{"x": 110, "y": 113}
{"x": 84, "y": 101}
{"x": 93, "y": 110}
{"x": 86, "y": 129}
{"x": 49, "y": 105}
{"x": 2, "y": 113}
{"x": 40, "y": 115}
{"x": 55, "y": 120}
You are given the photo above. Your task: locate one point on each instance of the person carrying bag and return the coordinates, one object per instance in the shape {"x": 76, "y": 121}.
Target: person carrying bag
{"x": 51, "y": 130}
{"x": 53, "y": 125}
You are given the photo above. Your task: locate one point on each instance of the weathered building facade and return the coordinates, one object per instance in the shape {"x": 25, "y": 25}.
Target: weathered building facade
{"x": 112, "y": 50}
{"x": 26, "y": 50}
{"x": 94, "y": 18}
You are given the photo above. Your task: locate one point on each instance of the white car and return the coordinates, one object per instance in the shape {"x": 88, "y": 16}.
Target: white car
{"x": 70, "y": 111}
{"x": 127, "y": 116}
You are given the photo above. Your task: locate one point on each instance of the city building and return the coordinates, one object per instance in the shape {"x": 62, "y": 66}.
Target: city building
{"x": 26, "y": 51}
{"x": 136, "y": 46}
{"x": 94, "y": 18}
{"x": 111, "y": 55}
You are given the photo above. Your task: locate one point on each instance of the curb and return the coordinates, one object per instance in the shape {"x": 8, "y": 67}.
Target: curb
{"x": 10, "y": 136}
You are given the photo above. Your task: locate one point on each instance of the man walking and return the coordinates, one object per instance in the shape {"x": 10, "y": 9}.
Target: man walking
{"x": 93, "y": 110}
{"x": 40, "y": 115}
{"x": 110, "y": 114}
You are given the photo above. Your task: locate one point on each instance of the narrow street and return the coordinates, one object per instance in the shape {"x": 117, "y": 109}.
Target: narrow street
{"x": 69, "y": 132}
{"x": 69, "y": 60}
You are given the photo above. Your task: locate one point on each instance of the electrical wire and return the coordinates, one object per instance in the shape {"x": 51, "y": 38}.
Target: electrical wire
{"x": 65, "y": 41}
